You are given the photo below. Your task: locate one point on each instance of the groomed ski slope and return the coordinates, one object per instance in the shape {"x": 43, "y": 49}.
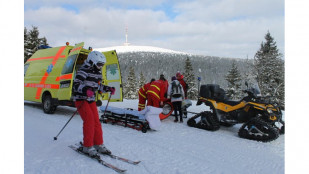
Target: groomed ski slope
{"x": 175, "y": 149}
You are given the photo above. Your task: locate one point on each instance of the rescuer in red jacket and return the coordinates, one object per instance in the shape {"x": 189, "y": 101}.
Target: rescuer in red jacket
{"x": 142, "y": 95}
{"x": 183, "y": 83}
{"x": 156, "y": 92}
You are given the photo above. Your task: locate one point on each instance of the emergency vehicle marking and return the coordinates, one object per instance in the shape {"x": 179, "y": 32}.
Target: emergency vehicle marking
{"x": 75, "y": 49}
{"x": 49, "y": 68}
{"x": 64, "y": 77}
{"x": 37, "y": 85}
{"x": 55, "y": 59}
{"x": 40, "y": 58}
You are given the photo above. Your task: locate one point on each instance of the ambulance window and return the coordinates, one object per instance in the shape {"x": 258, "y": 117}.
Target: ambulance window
{"x": 26, "y": 68}
{"x": 69, "y": 64}
{"x": 112, "y": 72}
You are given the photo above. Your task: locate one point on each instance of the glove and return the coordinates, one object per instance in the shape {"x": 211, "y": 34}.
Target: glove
{"x": 112, "y": 90}
{"x": 90, "y": 93}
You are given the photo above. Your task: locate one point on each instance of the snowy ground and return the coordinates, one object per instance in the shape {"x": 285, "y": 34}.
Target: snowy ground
{"x": 175, "y": 149}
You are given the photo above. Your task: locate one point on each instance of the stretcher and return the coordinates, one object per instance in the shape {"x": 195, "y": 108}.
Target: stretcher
{"x": 125, "y": 117}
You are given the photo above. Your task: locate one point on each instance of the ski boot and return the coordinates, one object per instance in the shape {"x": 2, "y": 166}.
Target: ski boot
{"x": 102, "y": 149}
{"x": 91, "y": 151}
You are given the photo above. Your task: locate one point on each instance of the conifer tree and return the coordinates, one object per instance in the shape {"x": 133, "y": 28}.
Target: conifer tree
{"x": 142, "y": 80}
{"x": 131, "y": 88}
{"x": 190, "y": 80}
{"x": 269, "y": 69}
{"x": 32, "y": 42}
{"x": 234, "y": 82}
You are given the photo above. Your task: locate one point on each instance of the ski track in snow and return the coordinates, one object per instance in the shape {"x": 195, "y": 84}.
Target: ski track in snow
{"x": 174, "y": 149}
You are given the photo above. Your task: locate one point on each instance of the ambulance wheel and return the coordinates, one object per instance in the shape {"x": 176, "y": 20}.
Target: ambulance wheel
{"x": 48, "y": 106}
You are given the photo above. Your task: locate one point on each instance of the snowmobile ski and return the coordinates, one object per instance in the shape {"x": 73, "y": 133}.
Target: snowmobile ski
{"x": 98, "y": 158}
{"x": 118, "y": 157}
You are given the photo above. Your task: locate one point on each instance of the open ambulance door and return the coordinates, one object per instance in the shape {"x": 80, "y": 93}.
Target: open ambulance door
{"x": 112, "y": 76}
{"x": 67, "y": 74}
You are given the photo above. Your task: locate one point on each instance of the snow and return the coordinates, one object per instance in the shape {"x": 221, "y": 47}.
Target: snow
{"x": 135, "y": 48}
{"x": 174, "y": 149}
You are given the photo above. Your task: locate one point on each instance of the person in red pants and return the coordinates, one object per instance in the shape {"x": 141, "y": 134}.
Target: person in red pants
{"x": 142, "y": 95}
{"x": 86, "y": 83}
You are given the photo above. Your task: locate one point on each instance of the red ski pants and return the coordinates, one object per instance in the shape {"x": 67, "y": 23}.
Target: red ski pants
{"x": 153, "y": 101}
{"x": 92, "y": 129}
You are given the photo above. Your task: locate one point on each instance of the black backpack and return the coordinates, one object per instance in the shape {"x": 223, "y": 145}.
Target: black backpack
{"x": 176, "y": 90}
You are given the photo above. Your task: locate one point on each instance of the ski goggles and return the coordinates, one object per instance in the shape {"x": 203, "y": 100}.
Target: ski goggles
{"x": 100, "y": 65}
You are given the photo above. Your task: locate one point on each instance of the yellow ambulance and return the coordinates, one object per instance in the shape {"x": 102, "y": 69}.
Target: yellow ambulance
{"x": 49, "y": 75}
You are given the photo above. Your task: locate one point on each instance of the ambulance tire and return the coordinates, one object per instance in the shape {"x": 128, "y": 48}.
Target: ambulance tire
{"x": 48, "y": 106}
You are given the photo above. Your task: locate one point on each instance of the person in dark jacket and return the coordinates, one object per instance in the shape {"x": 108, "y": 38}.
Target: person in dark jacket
{"x": 87, "y": 81}
{"x": 179, "y": 77}
{"x": 176, "y": 94}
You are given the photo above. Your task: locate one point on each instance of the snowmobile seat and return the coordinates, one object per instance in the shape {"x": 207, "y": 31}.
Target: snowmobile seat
{"x": 231, "y": 102}
{"x": 207, "y": 91}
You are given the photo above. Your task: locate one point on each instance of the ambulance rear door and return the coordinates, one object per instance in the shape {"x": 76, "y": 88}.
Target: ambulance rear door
{"x": 67, "y": 74}
{"x": 112, "y": 76}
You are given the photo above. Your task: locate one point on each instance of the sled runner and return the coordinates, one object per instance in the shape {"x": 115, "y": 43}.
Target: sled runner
{"x": 124, "y": 117}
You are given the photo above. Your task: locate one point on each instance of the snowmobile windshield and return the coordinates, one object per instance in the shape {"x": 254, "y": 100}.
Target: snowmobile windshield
{"x": 255, "y": 90}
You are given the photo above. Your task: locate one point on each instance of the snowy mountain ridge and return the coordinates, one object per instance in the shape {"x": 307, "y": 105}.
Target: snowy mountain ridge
{"x": 135, "y": 48}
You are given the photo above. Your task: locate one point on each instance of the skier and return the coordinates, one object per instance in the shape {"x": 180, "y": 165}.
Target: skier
{"x": 179, "y": 77}
{"x": 156, "y": 92}
{"x": 176, "y": 93}
{"x": 86, "y": 83}
{"x": 142, "y": 95}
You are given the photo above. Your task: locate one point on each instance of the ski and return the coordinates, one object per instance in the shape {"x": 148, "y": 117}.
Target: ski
{"x": 98, "y": 158}
{"x": 122, "y": 159}
{"x": 118, "y": 157}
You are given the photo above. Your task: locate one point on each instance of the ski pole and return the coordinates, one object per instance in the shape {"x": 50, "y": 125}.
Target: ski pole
{"x": 56, "y": 137}
{"x": 107, "y": 104}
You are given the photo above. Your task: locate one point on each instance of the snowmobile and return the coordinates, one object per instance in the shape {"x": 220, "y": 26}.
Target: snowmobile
{"x": 261, "y": 117}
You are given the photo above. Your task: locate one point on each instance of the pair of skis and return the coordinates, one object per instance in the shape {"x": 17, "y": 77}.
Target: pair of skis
{"x": 101, "y": 161}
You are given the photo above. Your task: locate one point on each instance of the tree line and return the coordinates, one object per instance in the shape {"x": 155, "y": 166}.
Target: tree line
{"x": 266, "y": 69}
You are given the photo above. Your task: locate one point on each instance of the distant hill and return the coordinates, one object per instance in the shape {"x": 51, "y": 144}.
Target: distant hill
{"x": 153, "y": 61}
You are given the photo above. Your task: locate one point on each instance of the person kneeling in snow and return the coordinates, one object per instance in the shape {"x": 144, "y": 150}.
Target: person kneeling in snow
{"x": 87, "y": 82}
{"x": 142, "y": 95}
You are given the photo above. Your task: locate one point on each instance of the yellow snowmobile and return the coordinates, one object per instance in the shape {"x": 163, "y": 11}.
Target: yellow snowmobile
{"x": 261, "y": 118}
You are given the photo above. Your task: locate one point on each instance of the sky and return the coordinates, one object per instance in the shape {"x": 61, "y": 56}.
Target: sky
{"x": 224, "y": 28}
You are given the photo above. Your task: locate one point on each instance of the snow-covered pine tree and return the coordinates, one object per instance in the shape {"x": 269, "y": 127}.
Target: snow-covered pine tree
{"x": 131, "y": 88}
{"x": 234, "y": 82}
{"x": 190, "y": 80}
{"x": 269, "y": 69}
{"x": 32, "y": 42}
{"x": 142, "y": 80}
{"x": 26, "y": 42}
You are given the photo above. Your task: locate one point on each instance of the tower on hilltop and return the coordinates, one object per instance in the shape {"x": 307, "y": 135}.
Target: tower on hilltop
{"x": 126, "y": 43}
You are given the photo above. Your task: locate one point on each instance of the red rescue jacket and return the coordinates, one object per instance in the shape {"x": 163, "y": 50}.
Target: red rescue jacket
{"x": 143, "y": 90}
{"x": 157, "y": 89}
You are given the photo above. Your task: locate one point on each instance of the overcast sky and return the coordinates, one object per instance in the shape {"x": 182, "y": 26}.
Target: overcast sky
{"x": 225, "y": 28}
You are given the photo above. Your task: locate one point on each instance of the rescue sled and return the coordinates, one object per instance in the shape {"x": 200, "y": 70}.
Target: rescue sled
{"x": 125, "y": 117}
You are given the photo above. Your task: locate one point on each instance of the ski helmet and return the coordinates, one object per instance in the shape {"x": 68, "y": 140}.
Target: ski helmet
{"x": 96, "y": 58}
